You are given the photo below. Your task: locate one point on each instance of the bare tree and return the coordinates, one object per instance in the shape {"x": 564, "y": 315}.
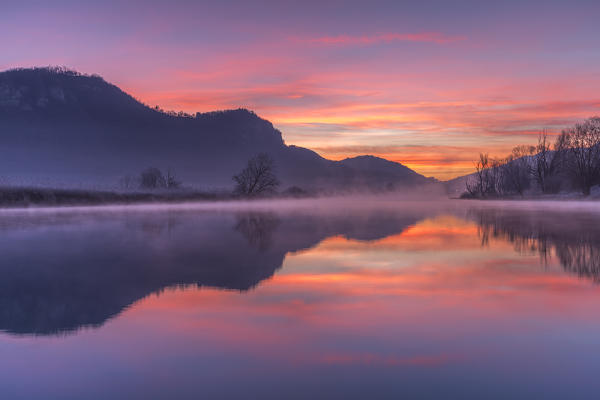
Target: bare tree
{"x": 516, "y": 170}
{"x": 152, "y": 178}
{"x": 171, "y": 181}
{"x": 495, "y": 178}
{"x": 477, "y": 188}
{"x": 486, "y": 177}
{"x": 545, "y": 165}
{"x": 258, "y": 177}
{"x": 471, "y": 187}
{"x": 580, "y": 146}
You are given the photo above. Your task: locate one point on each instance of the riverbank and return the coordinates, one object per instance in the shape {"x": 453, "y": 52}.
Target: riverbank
{"x": 566, "y": 196}
{"x": 22, "y": 197}
{"x": 32, "y": 197}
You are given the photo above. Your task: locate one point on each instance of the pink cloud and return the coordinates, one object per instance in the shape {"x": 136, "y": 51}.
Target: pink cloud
{"x": 425, "y": 37}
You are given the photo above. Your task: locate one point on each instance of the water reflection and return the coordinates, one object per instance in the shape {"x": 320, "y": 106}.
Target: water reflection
{"x": 258, "y": 228}
{"x": 66, "y": 271}
{"x": 376, "y": 302}
{"x": 61, "y": 272}
{"x": 573, "y": 238}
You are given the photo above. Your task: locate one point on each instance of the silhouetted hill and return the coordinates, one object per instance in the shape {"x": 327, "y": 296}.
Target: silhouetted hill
{"x": 62, "y": 128}
{"x": 560, "y": 183}
{"x": 457, "y": 186}
{"x": 386, "y": 170}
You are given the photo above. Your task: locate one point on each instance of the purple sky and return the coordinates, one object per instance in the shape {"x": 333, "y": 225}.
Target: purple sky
{"x": 428, "y": 84}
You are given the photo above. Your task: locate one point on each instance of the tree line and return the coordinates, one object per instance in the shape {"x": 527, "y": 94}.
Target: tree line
{"x": 151, "y": 179}
{"x": 571, "y": 163}
{"x": 258, "y": 178}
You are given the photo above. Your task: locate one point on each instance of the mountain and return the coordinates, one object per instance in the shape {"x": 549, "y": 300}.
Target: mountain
{"x": 62, "y": 128}
{"x": 386, "y": 171}
{"x": 457, "y": 186}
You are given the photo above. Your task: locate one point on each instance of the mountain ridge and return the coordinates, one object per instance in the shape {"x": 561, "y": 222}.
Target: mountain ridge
{"x": 61, "y": 127}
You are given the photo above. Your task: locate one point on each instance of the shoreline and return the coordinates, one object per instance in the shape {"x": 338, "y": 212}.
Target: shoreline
{"x": 31, "y": 197}
{"x": 14, "y": 198}
{"x": 28, "y": 197}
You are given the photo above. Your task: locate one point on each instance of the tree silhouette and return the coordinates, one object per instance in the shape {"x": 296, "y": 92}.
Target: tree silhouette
{"x": 258, "y": 177}
{"x": 516, "y": 170}
{"x": 258, "y": 228}
{"x": 171, "y": 181}
{"x": 581, "y": 145}
{"x": 546, "y": 165}
{"x": 152, "y": 178}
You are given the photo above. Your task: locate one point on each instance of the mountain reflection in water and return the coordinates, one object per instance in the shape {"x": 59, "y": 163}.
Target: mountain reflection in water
{"x": 376, "y": 300}
{"x": 61, "y": 272}
{"x": 66, "y": 271}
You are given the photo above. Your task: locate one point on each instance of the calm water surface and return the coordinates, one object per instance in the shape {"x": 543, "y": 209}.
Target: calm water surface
{"x": 377, "y": 299}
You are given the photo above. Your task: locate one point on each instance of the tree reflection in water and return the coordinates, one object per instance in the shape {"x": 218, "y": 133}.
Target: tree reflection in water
{"x": 573, "y": 238}
{"x": 258, "y": 228}
{"x": 113, "y": 260}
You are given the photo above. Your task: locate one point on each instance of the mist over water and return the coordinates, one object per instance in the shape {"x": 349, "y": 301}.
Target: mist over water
{"x": 345, "y": 298}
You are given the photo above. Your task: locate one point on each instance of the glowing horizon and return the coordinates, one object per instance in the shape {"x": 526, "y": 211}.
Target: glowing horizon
{"x": 429, "y": 85}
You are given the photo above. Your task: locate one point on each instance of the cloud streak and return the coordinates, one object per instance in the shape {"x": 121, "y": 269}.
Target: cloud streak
{"x": 348, "y": 40}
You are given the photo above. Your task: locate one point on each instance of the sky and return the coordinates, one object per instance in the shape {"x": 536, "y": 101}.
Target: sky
{"x": 429, "y": 84}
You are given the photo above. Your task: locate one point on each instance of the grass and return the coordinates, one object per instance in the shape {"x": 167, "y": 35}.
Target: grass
{"x": 28, "y": 196}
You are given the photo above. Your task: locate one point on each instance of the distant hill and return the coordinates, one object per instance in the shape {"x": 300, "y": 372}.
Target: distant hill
{"x": 387, "y": 171}
{"x": 457, "y": 186}
{"x": 561, "y": 182}
{"x": 62, "y": 128}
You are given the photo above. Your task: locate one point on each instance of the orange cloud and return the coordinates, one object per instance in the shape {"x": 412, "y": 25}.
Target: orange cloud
{"x": 396, "y": 107}
{"x": 485, "y": 87}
